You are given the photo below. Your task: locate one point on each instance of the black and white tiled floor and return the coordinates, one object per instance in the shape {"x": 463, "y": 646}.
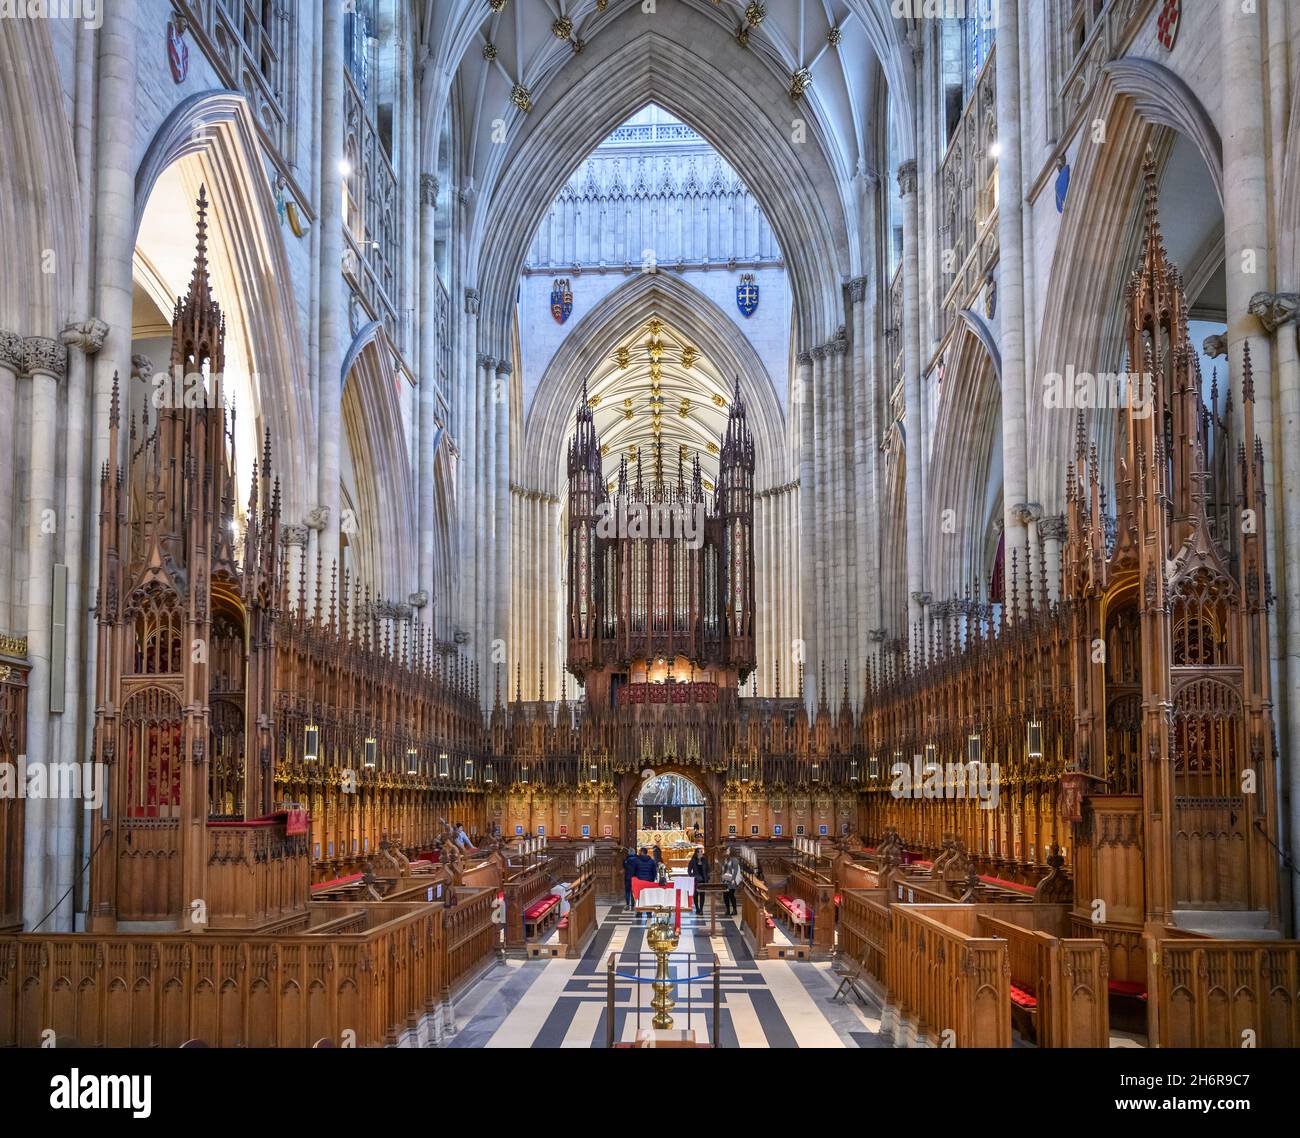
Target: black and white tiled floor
{"x": 562, "y": 1003}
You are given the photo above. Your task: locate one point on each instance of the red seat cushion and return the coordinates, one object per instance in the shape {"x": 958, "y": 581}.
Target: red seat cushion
{"x": 349, "y": 880}
{"x": 541, "y": 908}
{"x": 837, "y": 898}
{"x": 1128, "y": 988}
{"x": 1024, "y": 997}
{"x": 1007, "y": 884}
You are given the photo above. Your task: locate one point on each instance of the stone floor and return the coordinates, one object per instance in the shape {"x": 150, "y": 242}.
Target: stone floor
{"x": 562, "y": 1003}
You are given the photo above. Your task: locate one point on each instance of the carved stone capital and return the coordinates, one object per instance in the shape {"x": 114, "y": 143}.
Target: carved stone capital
{"x": 471, "y": 301}
{"x": 505, "y": 367}
{"x": 819, "y": 353}
{"x": 921, "y": 598}
{"x": 877, "y": 635}
{"x": 1273, "y": 309}
{"x": 1053, "y": 528}
{"x": 857, "y": 290}
{"x": 1215, "y": 346}
{"x": 11, "y": 351}
{"x": 488, "y": 362}
{"x": 460, "y": 636}
{"x": 86, "y": 335}
{"x": 804, "y": 359}
{"x": 318, "y": 518}
{"x": 1026, "y": 512}
{"x": 428, "y": 190}
{"x": 418, "y": 600}
{"x": 907, "y": 177}
{"x": 294, "y": 535}
{"x": 43, "y": 356}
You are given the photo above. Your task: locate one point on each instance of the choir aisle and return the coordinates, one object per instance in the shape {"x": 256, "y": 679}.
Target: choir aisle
{"x": 562, "y": 1003}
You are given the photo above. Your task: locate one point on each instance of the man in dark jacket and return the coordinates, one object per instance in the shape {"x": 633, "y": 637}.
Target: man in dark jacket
{"x": 629, "y": 870}
{"x": 645, "y": 868}
{"x": 699, "y": 869}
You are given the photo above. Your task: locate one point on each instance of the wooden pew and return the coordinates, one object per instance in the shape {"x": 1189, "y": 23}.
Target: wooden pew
{"x": 947, "y": 985}
{"x": 1225, "y": 993}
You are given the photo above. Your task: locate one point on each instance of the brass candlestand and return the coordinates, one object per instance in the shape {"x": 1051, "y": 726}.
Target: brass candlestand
{"x": 662, "y": 938}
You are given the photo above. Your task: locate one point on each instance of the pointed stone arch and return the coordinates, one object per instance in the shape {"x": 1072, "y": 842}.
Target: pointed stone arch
{"x": 384, "y": 542}
{"x": 1139, "y": 102}
{"x": 628, "y": 67}
{"x": 41, "y": 215}
{"x": 965, "y": 467}
{"x": 550, "y": 414}
{"x": 217, "y": 128}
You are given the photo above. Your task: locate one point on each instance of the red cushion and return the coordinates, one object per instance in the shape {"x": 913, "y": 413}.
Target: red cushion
{"x": 1128, "y": 988}
{"x": 1007, "y": 884}
{"x": 541, "y": 908}
{"x": 350, "y": 879}
{"x": 837, "y": 898}
{"x": 1024, "y": 997}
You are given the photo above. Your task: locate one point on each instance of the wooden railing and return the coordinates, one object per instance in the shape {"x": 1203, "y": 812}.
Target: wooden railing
{"x": 257, "y": 874}
{"x": 1226, "y": 993}
{"x": 948, "y": 981}
{"x": 335, "y": 980}
{"x": 754, "y": 912}
{"x": 521, "y": 889}
{"x": 581, "y": 921}
{"x": 815, "y": 890}
{"x": 1067, "y": 977}
{"x": 864, "y": 929}
{"x": 470, "y": 936}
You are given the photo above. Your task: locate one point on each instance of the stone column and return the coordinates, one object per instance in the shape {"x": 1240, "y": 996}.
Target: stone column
{"x": 803, "y": 556}
{"x": 46, "y": 361}
{"x": 331, "y": 321}
{"x": 481, "y": 520}
{"x": 912, "y": 389}
{"x": 428, "y": 382}
{"x": 1011, "y": 293}
{"x": 866, "y": 581}
{"x": 88, "y": 336}
{"x": 1278, "y": 313}
{"x": 843, "y": 513}
{"x": 11, "y": 363}
{"x": 820, "y": 639}
{"x": 1052, "y": 531}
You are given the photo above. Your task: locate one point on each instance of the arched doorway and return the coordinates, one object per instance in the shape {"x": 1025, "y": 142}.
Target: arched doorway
{"x": 670, "y": 812}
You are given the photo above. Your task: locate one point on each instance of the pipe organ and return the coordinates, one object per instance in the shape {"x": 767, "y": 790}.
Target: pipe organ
{"x": 661, "y": 580}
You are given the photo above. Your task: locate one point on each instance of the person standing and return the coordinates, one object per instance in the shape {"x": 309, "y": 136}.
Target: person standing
{"x": 699, "y": 869}
{"x": 730, "y": 882}
{"x": 645, "y": 868}
{"x": 629, "y": 871}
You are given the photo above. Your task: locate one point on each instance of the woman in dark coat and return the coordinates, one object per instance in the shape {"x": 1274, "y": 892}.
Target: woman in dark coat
{"x": 629, "y": 871}
{"x": 699, "y": 869}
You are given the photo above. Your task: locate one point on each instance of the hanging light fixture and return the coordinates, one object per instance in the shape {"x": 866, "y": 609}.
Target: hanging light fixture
{"x": 310, "y": 743}
{"x": 371, "y": 750}
{"x": 444, "y": 765}
{"x": 974, "y": 748}
{"x": 469, "y": 770}
{"x": 873, "y": 767}
{"x": 523, "y": 774}
{"x": 1035, "y": 740}
{"x": 816, "y": 772}
{"x": 412, "y": 761}
{"x": 489, "y": 776}
{"x": 593, "y": 774}
{"x": 853, "y": 770}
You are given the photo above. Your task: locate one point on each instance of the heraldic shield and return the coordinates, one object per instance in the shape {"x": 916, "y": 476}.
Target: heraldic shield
{"x": 561, "y": 300}
{"x": 747, "y": 295}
